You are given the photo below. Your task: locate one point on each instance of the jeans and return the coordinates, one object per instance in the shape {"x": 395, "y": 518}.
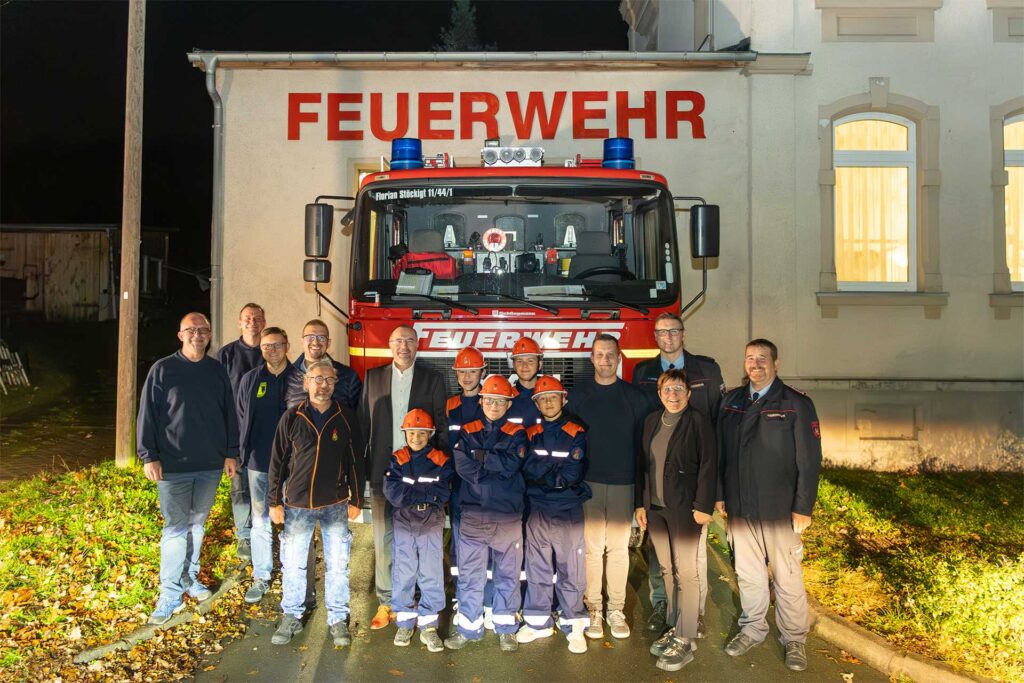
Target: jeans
{"x": 262, "y": 532}
{"x": 299, "y": 524}
{"x": 240, "y": 509}
{"x": 185, "y": 502}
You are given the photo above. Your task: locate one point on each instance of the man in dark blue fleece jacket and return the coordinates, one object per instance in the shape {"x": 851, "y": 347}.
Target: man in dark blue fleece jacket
{"x": 187, "y": 433}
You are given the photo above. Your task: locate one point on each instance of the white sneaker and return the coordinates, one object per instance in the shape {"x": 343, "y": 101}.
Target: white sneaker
{"x": 617, "y": 622}
{"x": 577, "y": 643}
{"x": 596, "y": 628}
{"x": 528, "y": 634}
{"x": 489, "y": 618}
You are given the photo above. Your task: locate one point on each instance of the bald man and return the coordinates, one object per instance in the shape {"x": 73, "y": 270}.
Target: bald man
{"x": 187, "y": 434}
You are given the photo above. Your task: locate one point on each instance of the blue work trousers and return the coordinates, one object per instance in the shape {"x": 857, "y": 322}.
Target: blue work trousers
{"x": 481, "y": 531}
{"x": 417, "y": 559}
{"x": 555, "y": 567}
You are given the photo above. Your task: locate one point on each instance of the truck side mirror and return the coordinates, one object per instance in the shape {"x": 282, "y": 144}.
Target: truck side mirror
{"x": 316, "y": 270}
{"x": 319, "y": 218}
{"x": 704, "y": 231}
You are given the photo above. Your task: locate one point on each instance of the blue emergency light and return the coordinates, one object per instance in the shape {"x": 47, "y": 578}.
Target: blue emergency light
{"x": 406, "y": 153}
{"x": 618, "y": 153}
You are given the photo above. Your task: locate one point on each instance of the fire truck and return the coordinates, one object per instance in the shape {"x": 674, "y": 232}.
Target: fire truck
{"x": 480, "y": 256}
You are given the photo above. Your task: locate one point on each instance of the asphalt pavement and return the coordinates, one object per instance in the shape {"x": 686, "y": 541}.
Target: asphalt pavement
{"x": 372, "y": 656}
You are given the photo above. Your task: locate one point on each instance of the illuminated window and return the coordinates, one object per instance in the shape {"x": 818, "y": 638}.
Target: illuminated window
{"x": 1013, "y": 157}
{"x": 875, "y": 209}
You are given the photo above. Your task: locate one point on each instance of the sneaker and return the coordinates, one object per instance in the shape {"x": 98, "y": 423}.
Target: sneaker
{"x": 702, "y": 631}
{"x": 677, "y": 655}
{"x": 596, "y": 628}
{"x": 577, "y": 642}
{"x": 382, "y": 618}
{"x": 288, "y": 627}
{"x": 456, "y": 641}
{"x": 796, "y": 656}
{"x": 430, "y": 638}
{"x": 528, "y": 634}
{"x": 340, "y": 633}
{"x": 489, "y": 618}
{"x": 507, "y": 642}
{"x": 740, "y": 645}
{"x": 657, "y": 623}
{"x": 164, "y": 611}
{"x": 244, "y": 550}
{"x": 256, "y": 591}
{"x": 659, "y": 646}
{"x": 403, "y": 636}
{"x": 199, "y": 591}
{"x": 617, "y": 622}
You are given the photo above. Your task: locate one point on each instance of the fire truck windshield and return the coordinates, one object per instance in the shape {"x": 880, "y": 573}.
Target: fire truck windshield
{"x": 542, "y": 240}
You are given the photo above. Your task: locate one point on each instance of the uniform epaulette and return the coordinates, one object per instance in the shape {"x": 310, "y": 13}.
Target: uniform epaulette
{"x": 709, "y": 359}
{"x": 802, "y": 393}
{"x": 512, "y": 427}
{"x": 453, "y": 403}
{"x": 571, "y": 428}
{"x": 474, "y": 426}
{"x": 438, "y": 457}
{"x": 534, "y": 430}
{"x": 402, "y": 455}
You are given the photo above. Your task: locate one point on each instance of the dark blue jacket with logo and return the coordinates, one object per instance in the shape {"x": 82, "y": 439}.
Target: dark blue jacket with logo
{"x": 245, "y": 398}
{"x": 489, "y": 460}
{"x": 417, "y": 477}
{"x": 555, "y": 465}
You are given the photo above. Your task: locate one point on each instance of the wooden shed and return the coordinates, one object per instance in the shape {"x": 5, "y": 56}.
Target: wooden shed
{"x": 70, "y": 271}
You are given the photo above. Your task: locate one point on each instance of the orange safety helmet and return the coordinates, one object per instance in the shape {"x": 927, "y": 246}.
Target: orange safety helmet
{"x": 469, "y": 359}
{"x": 497, "y": 386}
{"x": 526, "y": 347}
{"x": 546, "y": 384}
{"x": 418, "y": 418}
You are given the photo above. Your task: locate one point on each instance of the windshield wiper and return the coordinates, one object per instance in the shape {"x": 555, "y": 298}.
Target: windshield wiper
{"x": 512, "y": 297}
{"x": 612, "y": 299}
{"x": 440, "y": 300}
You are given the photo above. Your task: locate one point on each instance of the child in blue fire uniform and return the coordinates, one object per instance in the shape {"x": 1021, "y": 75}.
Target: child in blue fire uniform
{"x": 488, "y": 459}
{"x": 418, "y": 484}
{"x": 555, "y": 556}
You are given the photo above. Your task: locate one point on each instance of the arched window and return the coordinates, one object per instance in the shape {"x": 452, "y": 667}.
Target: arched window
{"x": 875, "y": 202}
{"x": 1013, "y": 158}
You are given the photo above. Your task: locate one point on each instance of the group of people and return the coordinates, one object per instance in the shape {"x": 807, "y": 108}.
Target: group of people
{"x": 532, "y": 477}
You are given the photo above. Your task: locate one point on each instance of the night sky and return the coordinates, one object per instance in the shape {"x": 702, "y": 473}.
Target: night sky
{"x": 62, "y": 71}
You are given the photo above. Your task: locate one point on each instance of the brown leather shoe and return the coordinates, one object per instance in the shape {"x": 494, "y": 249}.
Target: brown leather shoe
{"x": 382, "y": 618}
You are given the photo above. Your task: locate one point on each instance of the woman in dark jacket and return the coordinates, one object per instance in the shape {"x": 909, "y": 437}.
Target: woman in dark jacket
{"x": 675, "y": 496}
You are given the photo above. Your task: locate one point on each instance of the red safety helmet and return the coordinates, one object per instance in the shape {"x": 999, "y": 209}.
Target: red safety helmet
{"x": 546, "y": 384}
{"x": 526, "y": 347}
{"x": 469, "y": 359}
{"x": 417, "y": 418}
{"x": 497, "y": 386}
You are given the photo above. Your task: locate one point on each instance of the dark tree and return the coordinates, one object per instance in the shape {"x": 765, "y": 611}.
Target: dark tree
{"x": 462, "y": 35}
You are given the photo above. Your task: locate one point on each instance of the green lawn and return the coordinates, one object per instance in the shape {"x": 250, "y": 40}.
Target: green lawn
{"x": 933, "y": 562}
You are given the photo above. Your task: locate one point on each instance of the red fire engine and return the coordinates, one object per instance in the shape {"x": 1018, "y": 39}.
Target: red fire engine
{"x": 483, "y": 255}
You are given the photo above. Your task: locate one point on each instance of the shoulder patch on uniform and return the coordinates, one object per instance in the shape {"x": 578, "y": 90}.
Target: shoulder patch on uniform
{"x": 453, "y": 403}
{"x": 474, "y": 426}
{"x": 533, "y": 430}
{"x": 816, "y": 430}
{"x": 402, "y": 455}
{"x": 576, "y": 454}
{"x": 437, "y": 457}
{"x": 571, "y": 428}
{"x": 512, "y": 428}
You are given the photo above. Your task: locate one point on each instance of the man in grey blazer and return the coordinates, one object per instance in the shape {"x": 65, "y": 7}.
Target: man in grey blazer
{"x": 389, "y": 392}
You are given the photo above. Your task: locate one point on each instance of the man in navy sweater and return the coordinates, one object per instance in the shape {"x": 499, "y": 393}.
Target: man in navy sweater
{"x": 316, "y": 340}
{"x": 187, "y": 433}
{"x": 238, "y": 358}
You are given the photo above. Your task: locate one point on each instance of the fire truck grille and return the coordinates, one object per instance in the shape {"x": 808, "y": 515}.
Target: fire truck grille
{"x": 569, "y": 370}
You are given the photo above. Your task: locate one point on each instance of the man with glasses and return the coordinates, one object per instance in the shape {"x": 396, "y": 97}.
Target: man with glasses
{"x": 187, "y": 434}
{"x": 706, "y": 389}
{"x": 315, "y": 478}
{"x": 390, "y": 392}
{"x": 239, "y": 357}
{"x": 316, "y": 340}
{"x": 260, "y": 400}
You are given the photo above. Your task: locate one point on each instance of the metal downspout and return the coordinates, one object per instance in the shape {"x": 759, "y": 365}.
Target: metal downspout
{"x": 217, "y": 214}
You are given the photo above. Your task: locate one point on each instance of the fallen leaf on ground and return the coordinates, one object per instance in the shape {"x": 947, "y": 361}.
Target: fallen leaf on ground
{"x": 396, "y": 672}
{"x": 847, "y": 657}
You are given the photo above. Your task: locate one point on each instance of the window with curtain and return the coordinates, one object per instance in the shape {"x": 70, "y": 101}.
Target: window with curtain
{"x": 1013, "y": 157}
{"x": 874, "y": 157}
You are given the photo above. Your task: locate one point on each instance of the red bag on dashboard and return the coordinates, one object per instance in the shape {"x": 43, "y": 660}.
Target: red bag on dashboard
{"x": 441, "y": 265}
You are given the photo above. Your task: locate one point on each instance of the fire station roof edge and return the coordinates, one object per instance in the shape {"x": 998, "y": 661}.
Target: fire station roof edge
{"x": 795, "y": 63}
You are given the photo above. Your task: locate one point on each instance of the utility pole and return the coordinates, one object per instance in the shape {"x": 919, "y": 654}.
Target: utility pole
{"x": 131, "y": 233}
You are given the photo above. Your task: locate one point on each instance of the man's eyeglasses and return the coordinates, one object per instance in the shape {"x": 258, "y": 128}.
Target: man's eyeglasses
{"x": 674, "y": 332}
{"x": 320, "y": 381}
{"x": 494, "y": 401}
{"x": 673, "y": 389}
{"x": 404, "y": 342}
{"x": 196, "y": 331}
{"x": 310, "y": 338}
{"x": 276, "y": 346}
